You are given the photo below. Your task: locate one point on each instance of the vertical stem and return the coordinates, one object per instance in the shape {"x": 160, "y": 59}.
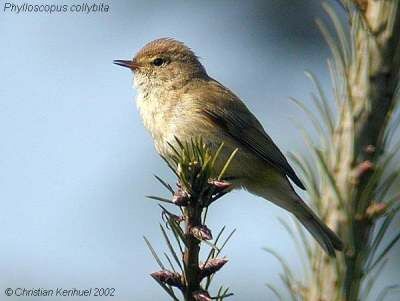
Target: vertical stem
{"x": 371, "y": 78}
{"x": 191, "y": 256}
{"x": 373, "y": 98}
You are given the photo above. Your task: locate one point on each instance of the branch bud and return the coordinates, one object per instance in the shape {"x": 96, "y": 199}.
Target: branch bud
{"x": 362, "y": 168}
{"x": 167, "y": 277}
{"x": 212, "y": 266}
{"x": 220, "y": 185}
{"x": 201, "y": 296}
{"x": 375, "y": 210}
{"x": 181, "y": 197}
{"x": 370, "y": 149}
{"x": 201, "y": 232}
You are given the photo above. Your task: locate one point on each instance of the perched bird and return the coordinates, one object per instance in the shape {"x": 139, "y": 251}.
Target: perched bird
{"x": 177, "y": 98}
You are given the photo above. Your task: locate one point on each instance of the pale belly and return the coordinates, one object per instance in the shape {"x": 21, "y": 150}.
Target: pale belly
{"x": 169, "y": 120}
{"x": 166, "y": 123}
{"x": 242, "y": 168}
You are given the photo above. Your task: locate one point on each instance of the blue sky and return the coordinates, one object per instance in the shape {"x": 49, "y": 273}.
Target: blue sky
{"x": 76, "y": 162}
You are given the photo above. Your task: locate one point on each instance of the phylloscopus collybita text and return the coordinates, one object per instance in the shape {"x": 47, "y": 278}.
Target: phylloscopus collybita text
{"x": 177, "y": 98}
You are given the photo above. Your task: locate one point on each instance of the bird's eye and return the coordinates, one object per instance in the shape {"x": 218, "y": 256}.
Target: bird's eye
{"x": 158, "y": 62}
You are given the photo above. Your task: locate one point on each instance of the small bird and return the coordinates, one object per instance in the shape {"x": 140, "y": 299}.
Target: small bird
{"x": 177, "y": 98}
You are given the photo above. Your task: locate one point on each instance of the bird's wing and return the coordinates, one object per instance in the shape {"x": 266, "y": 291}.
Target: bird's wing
{"x": 235, "y": 119}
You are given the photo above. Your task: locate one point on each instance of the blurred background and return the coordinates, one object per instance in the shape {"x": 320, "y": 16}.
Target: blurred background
{"x": 76, "y": 162}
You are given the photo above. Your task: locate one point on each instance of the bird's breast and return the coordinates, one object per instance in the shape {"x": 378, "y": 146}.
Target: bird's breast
{"x": 167, "y": 119}
{"x": 159, "y": 117}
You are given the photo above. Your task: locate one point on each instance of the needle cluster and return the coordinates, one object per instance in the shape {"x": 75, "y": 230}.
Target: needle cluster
{"x": 199, "y": 185}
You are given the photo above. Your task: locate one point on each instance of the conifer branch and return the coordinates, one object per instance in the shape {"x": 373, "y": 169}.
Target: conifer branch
{"x": 351, "y": 184}
{"x": 199, "y": 185}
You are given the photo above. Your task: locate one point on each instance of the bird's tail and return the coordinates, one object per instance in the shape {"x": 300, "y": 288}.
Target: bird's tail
{"x": 328, "y": 240}
{"x": 281, "y": 193}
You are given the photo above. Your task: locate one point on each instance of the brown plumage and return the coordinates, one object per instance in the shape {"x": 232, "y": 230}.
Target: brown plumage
{"x": 177, "y": 98}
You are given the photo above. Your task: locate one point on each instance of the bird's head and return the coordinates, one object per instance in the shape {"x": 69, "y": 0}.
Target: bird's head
{"x": 165, "y": 63}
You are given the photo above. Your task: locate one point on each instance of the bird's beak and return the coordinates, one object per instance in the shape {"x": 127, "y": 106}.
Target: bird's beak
{"x": 128, "y": 64}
